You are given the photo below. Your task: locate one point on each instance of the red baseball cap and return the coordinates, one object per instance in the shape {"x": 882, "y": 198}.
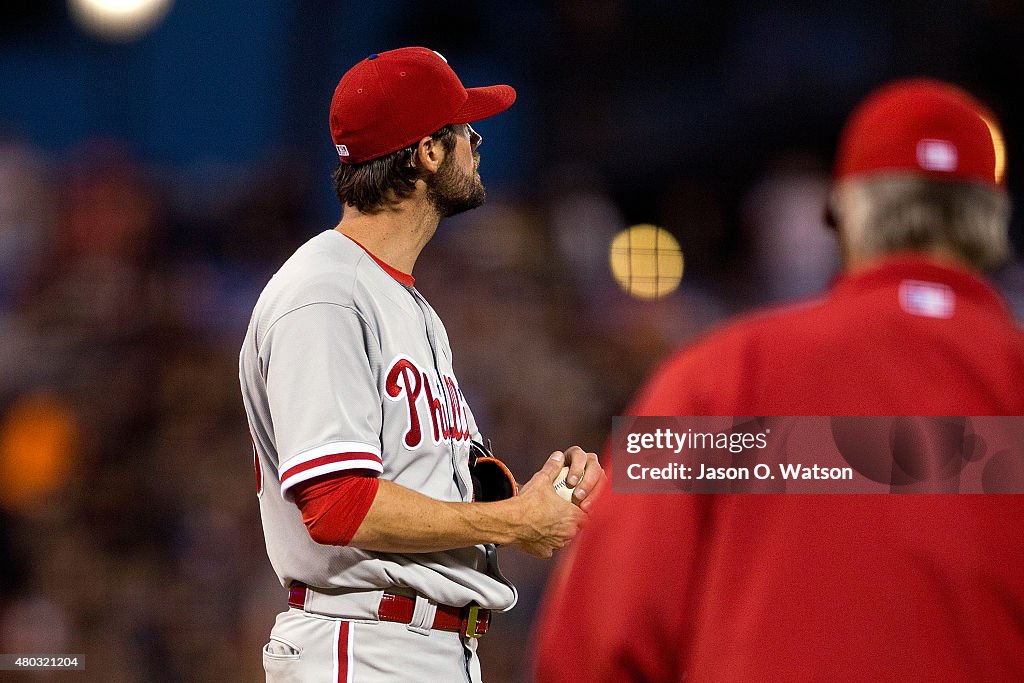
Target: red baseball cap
{"x": 923, "y": 126}
{"x": 391, "y": 100}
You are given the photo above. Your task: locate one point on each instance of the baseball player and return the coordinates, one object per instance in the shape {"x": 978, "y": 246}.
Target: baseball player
{"x": 368, "y": 459}
{"x": 833, "y": 587}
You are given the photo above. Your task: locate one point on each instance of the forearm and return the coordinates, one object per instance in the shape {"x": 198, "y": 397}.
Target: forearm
{"x": 401, "y": 520}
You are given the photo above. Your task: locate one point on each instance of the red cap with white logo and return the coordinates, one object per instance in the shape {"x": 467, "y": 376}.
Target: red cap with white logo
{"x": 923, "y": 126}
{"x": 393, "y": 99}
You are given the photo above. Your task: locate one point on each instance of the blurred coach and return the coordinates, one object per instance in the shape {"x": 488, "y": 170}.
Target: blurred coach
{"x": 832, "y": 587}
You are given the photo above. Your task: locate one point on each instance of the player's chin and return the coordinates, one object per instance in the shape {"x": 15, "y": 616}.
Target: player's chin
{"x": 469, "y": 206}
{"x": 476, "y": 195}
{"x": 466, "y": 203}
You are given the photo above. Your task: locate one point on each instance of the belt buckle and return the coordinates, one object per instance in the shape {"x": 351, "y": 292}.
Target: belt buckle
{"x": 472, "y": 621}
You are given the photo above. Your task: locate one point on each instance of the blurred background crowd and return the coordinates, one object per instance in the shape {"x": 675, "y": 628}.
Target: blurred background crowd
{"x": 153, "y": 177}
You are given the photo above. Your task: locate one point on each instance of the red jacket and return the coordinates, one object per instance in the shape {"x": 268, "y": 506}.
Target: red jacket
{"x": 812, "y": 588}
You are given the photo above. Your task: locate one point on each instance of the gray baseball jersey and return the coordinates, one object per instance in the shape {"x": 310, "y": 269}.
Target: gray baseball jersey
{"x": 345, "y": 366}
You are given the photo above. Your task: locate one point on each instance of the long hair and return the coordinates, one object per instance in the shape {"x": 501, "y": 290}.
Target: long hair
{"x": 381, "y": 183}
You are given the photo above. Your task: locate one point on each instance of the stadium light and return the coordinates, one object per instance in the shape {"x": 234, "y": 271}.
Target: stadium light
{"x": 118, "y": 21}
{"x": 646, "y": 261}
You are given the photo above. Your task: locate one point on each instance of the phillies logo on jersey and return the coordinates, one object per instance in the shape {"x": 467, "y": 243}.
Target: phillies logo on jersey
{"x": 442, "y": 400}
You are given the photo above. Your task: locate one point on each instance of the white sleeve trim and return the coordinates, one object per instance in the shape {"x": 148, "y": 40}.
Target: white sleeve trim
{"x": 332, "y": 448}
{"x": 319, "y": 470}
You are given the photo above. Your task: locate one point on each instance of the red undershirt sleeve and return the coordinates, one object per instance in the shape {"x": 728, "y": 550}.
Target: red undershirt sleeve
{"x": 333, "y": 507}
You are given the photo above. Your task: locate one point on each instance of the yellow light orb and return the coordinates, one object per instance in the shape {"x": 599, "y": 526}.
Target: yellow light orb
{"x": 118, "y": 20}
{"x": 646, "y": 261}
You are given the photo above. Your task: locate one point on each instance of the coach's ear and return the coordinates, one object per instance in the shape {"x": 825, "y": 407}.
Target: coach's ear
{"x": 830, "y": 210}
{"x": 429, "y": 154}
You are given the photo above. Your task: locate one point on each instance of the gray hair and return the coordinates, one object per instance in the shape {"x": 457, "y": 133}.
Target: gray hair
{"x": 898, "y": 212}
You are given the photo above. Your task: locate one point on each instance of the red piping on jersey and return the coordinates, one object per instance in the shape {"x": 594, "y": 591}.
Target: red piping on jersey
{"x": 403, "y": 278}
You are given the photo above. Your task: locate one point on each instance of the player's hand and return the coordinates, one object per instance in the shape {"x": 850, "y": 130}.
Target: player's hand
{"x": 585, "y": 474}
{"x": 545, "y": 522}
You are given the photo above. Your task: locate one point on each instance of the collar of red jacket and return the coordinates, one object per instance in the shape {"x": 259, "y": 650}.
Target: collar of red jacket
{"x": 891, "y": 270}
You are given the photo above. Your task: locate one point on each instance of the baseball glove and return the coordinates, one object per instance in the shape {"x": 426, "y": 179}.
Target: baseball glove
{"x": 492, "y": 480}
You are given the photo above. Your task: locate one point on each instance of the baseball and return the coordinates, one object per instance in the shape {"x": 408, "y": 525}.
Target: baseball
{"x": 562, "y": 488}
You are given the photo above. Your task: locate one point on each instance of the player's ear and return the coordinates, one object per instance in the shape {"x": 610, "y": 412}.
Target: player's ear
{"x": 429, "y": 154}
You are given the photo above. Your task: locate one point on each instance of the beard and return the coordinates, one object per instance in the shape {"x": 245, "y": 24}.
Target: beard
{"x": 451, "y": 192}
